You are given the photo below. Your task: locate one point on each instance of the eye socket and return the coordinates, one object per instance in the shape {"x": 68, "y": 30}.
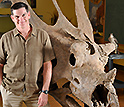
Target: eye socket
{"x": 72, "y": 59}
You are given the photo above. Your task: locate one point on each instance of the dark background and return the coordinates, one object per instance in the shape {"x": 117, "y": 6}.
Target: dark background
{"x": 114, "y": 19}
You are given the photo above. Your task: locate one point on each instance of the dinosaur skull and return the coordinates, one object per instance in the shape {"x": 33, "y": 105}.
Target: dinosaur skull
{"x": 88, "y": 73}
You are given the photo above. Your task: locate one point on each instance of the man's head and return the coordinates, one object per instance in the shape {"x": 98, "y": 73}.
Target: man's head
{"x": 20, "y": 15}
{"x": 18, "y": 5}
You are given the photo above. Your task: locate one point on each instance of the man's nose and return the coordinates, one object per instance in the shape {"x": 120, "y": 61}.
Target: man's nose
{"x": 21, "y": 18}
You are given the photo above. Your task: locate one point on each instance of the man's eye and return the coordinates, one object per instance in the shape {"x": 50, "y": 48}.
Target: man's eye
{"x": 23, "y": 15}
{"x": 17, "y": 16}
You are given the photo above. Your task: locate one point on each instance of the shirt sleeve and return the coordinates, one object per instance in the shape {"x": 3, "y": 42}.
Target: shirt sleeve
{"x": 48, "y": 49}
{"x": 2, "y": 52}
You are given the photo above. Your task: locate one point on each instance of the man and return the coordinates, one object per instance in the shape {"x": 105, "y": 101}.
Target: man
{"x": 23, "y": 51}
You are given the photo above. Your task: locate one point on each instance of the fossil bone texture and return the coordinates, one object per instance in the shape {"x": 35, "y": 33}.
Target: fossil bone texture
{"x": 79, "y": 60}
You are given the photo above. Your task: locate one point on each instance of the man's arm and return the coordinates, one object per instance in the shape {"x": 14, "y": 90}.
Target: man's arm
{"x": 1, "y": 73}
{"x": 47, "y": 74}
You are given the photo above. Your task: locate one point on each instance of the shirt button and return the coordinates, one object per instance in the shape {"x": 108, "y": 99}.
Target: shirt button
{"x": 26, "y": 53}
{"x": 26, "y": 64}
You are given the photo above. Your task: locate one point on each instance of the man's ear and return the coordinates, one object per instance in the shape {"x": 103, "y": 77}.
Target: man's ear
{"x": 12, "y": 17}
{"x": 29, "y": 14}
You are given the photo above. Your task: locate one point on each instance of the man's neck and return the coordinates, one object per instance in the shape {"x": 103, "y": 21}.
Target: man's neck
{"x": 24, "y": 31}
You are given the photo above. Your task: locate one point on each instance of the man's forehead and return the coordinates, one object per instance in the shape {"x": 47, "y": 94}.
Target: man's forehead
{"x": 19, "y": 11}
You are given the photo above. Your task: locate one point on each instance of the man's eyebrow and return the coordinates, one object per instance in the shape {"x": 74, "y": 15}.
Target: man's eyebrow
{"x": 16, "y": 16}
{"x": 22, "y": 15}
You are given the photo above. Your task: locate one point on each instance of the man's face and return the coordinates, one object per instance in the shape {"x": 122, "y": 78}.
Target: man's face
{"x": 21, "y": 18}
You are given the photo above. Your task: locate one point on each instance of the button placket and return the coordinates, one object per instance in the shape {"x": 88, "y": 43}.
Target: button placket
{"x": 24, "y": 88}
{"x": 27, "y": 65}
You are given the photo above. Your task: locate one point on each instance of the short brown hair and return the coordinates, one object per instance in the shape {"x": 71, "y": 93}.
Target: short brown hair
{"x": 19, "y": 5}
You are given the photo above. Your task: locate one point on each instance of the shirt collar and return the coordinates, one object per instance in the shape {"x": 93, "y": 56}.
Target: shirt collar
{"x": 15, "y": 31}
{"x": 33, "y": 33}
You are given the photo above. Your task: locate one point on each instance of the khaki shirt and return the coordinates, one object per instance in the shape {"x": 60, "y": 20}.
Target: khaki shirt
{"x": 23, "y": 59}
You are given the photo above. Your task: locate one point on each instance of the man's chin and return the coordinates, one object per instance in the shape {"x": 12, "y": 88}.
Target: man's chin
{"x": 22, "y": 26}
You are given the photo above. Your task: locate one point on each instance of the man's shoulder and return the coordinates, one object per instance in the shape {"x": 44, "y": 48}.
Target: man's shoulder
{"x": 7, "y": 34}
{"x": 39, "y": 31}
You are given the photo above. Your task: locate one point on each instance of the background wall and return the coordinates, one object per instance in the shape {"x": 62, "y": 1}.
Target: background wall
{"x": 45, "y": 8}
{"x": 5, "y": 22}
{"x": 114, "y": 19}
